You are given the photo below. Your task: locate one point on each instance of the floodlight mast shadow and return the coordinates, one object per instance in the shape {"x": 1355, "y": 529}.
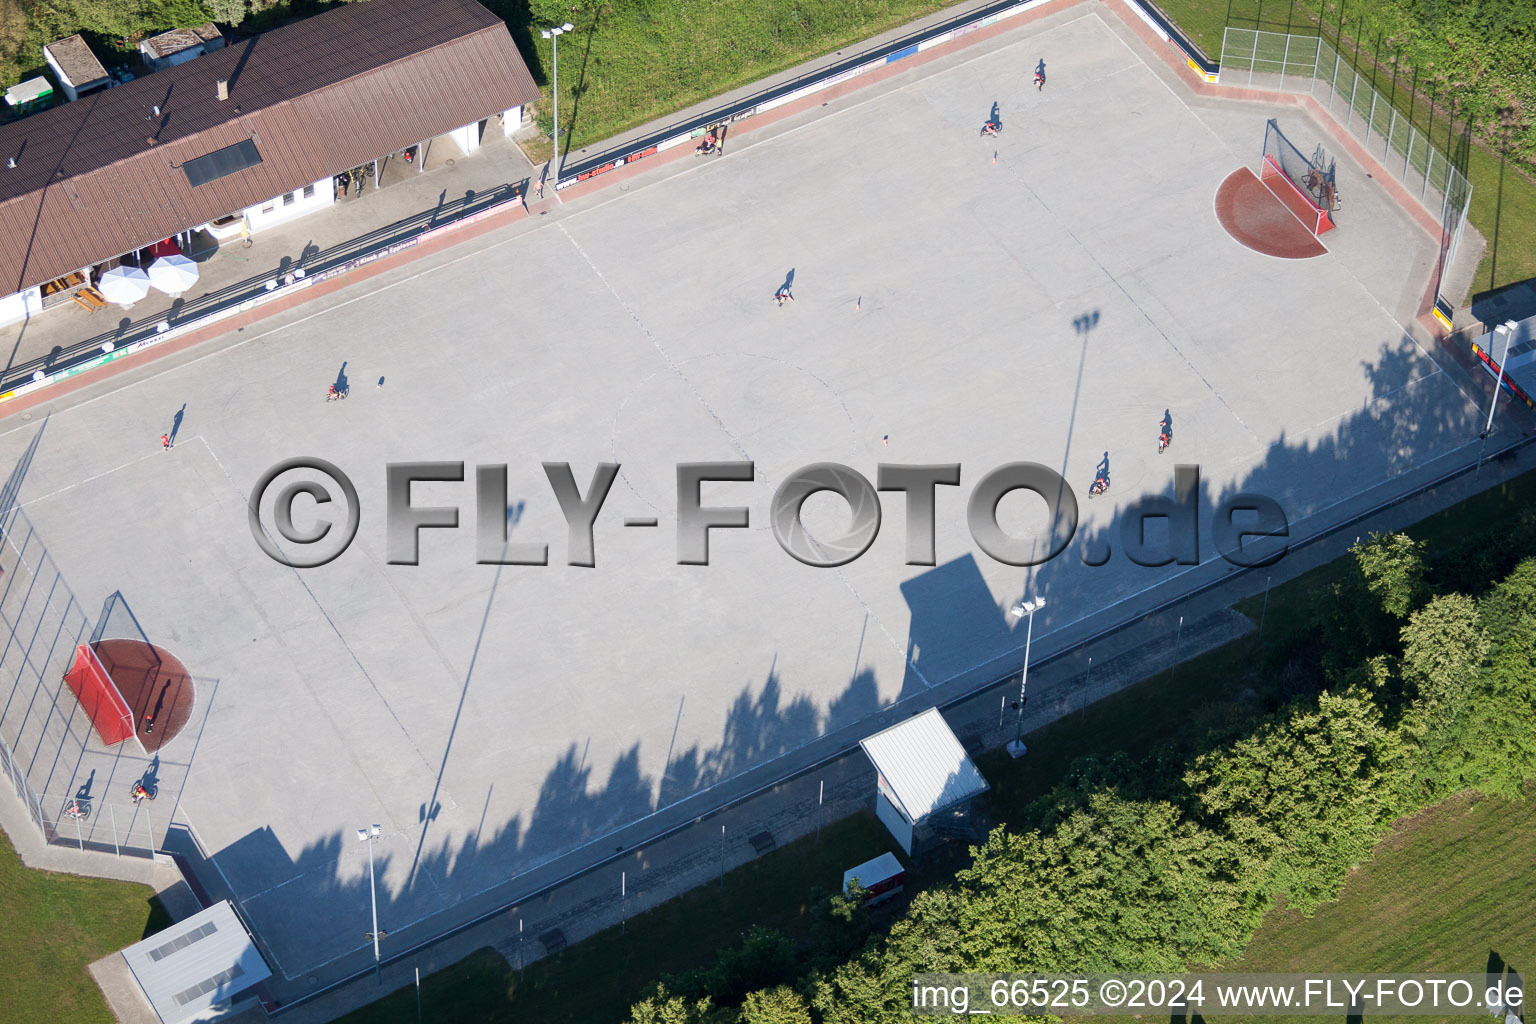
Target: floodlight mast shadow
{"x": 1016, "y": 747}
{"x": 553, "y": 34}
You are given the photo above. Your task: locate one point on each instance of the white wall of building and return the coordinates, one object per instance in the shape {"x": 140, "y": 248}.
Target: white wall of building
{"x": 293, "y": 204}
{"x": 467, "y": 137}
{"x": 511, "y": 120}
{"x": 21, "y": 306}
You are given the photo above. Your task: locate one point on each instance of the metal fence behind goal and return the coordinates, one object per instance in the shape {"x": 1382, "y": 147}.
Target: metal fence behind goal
{"x": 1309, "y": 64}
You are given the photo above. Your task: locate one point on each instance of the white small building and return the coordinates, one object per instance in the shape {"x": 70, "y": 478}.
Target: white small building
{"x": 76, "y": 67}
{"x": 202, "y": 968}
{"x": 180, "y": 45}
{"x": 926, "y": 782}
{"x": 250, "y": 136}
{"x": 24, "y": 94}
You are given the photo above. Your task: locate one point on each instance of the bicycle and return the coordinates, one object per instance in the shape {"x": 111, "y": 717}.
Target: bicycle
{"x": 336, "y": 394}
{"x": 1322, "y": 189}
{"x": 78, "y": 809}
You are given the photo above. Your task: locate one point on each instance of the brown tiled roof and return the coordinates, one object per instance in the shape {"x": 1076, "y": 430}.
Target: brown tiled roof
{"x": 178, "y": 39}
{"x": 316, "y": 98}
{"x": 77, "y": 60}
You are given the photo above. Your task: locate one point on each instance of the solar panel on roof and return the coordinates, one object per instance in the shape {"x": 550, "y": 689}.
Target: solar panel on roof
{"x": 204, "y": 930}
{"x": 221, "y": 163}
{"x": 208, "y": 985}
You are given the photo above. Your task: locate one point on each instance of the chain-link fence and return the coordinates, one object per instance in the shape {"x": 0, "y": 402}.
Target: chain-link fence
{"x": 1310, "y": 64}
{"x": 78, "y": 791}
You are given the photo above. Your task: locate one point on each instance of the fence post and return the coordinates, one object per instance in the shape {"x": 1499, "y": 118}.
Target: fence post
{"x": 1333, "y": 80}
{"x": 149, "y": 819}
{"x": 1285, "y": 59}
{"x": 1461, "y": 222}
{"x": 1370, "y": 119}
{"x": 1429, "y": 167}
{"x": 1352, "y": 90}
{"x": 1391, "y": 128}
{"x": 116, "y": 849}
{"x": 1408, "y": 157}
{"x": 1253, "y": 61}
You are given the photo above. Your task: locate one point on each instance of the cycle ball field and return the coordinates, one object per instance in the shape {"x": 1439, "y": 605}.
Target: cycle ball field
{"x": 1040, "y": 296}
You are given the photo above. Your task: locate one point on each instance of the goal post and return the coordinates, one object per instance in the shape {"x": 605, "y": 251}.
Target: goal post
{"x": 1305, "y": 186}
{"x": 92, "y": 685}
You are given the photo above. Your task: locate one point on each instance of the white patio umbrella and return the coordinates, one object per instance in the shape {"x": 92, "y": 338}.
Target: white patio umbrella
{"x": 173, "y": 274}
{"x": 124, "y": 285}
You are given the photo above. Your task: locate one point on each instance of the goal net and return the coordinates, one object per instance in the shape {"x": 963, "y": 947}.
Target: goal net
{"x": 1305, "y": 186}
{"x": 92, "y": 685}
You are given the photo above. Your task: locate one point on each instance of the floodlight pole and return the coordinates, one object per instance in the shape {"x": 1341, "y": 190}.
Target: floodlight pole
{"x": 553, "y": 34}
{"x": 370, "y": 835}
{"x": 1508, "y": 327}
{"x": 1016, "y": 746}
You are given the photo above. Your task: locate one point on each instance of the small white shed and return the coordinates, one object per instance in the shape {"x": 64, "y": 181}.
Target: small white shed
{"x": 926, "y": 781}
{"x": 201, "y": 968}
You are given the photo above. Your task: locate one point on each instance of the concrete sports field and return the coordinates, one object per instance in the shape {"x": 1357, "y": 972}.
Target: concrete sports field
{"x": 1041, "y": 296}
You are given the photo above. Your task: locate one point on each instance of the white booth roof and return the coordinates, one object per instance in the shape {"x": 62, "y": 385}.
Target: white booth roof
{"x": 924, "y": 766}
{"x": 196, "y": 964}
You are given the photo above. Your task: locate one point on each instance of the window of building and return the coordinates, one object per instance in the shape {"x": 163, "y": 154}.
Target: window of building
{"x": 269, "y": 208}
{"x": 289, "y": 198}
{"x": 309, "y": 191}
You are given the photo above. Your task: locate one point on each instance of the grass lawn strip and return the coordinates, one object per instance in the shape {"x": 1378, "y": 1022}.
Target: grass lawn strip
{"x": 53, "y": 925}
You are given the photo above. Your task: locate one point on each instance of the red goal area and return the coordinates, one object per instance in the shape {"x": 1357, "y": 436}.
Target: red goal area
{"x": 92, "y": 685}
{"x": 1306, "y": 187}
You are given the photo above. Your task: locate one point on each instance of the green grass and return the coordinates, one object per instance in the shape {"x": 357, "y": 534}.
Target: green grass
{"x": 51, "y": 927}
{"x": 645, "y": 62}
{"x": 1446, "y": 887}
{"x": 1445, "y": 890}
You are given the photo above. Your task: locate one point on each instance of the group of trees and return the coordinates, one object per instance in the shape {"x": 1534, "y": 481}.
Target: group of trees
{"x": 1156, "y": 865}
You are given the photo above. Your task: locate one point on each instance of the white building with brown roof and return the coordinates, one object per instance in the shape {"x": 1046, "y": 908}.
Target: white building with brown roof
{"x": 253, "y": 133}
{"x": 76, "y": 67}
{"x": 180, "y": 45}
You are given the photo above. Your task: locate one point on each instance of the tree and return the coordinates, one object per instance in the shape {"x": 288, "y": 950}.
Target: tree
{"x": 1393, "y": 567}
{"x": 781, "y": 1005}
{"x": 662, "y": 1008}
{"x": 226, "y": 12}
{"x": 1305, "y": 797}
{"x": 1443, "y": 644}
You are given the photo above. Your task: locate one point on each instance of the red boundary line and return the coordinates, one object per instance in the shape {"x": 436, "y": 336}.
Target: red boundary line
{"x": 1316, "y": 227}
{"x": 296, "y": 298}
